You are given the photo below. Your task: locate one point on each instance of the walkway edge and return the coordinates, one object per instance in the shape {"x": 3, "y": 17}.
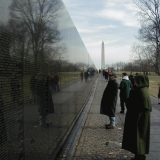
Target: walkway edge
{"x": 76, "y": 129}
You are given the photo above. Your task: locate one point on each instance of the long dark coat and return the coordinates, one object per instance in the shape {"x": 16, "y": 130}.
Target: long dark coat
{"x": 136, "y": 135}
{"x": 109, "y": 99}
{"x": 44, "y": 97}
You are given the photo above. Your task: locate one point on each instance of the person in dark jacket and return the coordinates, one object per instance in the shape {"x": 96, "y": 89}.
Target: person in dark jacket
{"x": 109, "y": 100}
{"x": 136, "y": 134}
{"x": 86, "y": 75}
{"x": 44, "y": 98}
{"x": 106, "y": 75}
{"x": 125, "y": 87}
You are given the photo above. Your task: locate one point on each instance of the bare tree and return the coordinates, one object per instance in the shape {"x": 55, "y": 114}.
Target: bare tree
{"x": 39, "y": 26}
{"x": 148, "y": 13}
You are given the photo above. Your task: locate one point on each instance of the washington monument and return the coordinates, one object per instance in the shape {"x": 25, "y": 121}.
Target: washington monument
{"x": 102, "y": 57}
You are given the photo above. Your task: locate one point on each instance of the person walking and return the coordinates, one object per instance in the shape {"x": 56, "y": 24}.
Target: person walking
{"x": 125, "y": 87}
{"x": 109, "y": 100}
{"x": 81, "y": 75}
{"x": 136, "y": 134}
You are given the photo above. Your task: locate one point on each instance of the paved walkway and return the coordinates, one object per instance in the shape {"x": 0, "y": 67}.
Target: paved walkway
{"x": 98, "y": 143}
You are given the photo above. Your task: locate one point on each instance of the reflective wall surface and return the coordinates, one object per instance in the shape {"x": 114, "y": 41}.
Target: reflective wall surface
{"x": 42, "y": 88}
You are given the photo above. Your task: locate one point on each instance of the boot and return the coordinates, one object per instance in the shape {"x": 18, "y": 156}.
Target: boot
{"x": 135, "y": 158}
{"x": 139, "y": 157}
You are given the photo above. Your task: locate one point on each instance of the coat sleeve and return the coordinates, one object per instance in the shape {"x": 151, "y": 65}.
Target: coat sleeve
{"x": 121, "y": 86}
{"x": 115, "y": 89}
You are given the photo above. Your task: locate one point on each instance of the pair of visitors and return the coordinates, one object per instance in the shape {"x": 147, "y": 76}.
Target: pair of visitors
{"x": 136, "y": 134}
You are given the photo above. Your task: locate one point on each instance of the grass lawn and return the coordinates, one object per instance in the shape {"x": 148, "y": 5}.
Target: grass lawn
{"x": 67, "y": 77}
{"x": 25, "y": 89}
{"x": 154, "y": 79}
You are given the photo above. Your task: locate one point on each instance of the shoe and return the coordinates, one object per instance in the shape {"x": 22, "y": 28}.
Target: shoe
{"x": 45, "y": 125}
{"x": 122, "y": 112}
{"x": 110, "y": 127}
{"x": 107, "y": 125}
{"x": 139, "y": 157}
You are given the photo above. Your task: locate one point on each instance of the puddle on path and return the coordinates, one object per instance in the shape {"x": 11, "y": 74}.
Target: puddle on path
{"x": 113, "y": 144}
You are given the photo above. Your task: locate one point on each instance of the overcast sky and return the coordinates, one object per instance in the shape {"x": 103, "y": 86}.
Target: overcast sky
{"x": 111, "y": 21}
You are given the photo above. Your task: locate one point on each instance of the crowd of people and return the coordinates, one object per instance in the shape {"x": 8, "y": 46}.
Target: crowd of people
{"x": 134, "y": 94}
{"x": 87, "y": 73}
{"x": 134, "y": 99}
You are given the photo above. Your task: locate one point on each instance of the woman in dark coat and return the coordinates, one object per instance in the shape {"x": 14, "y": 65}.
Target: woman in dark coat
{"x": 109, "y": 100}
{"x": 136, "y": 135}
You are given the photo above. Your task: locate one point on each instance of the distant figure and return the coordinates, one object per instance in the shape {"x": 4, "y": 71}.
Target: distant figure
{"x": 106, "y": 75}
{"x": 109, "y": 100}
{"x": 136, "y": 135}
{"x": 125, "y": 87}
{"x": 86, "y": 76}
{"x": 109, "y": 71}
{"x": 81, "y": 75}
{"x": 56, "y": 80}
{"x": 33, "y": 81}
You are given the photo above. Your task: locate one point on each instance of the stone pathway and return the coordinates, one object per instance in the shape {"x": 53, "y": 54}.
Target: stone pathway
{"x": 98, "y": 143}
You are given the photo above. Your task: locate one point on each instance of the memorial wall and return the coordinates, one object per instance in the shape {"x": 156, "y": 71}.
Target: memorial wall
{"x": 41, "y": 89}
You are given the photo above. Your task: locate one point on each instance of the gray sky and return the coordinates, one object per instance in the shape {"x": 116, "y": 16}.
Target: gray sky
{"x": 111, "y": 21}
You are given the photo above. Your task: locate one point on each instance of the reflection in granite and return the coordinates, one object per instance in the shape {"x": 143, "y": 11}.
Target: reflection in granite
{"x": 41, "y": 92}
